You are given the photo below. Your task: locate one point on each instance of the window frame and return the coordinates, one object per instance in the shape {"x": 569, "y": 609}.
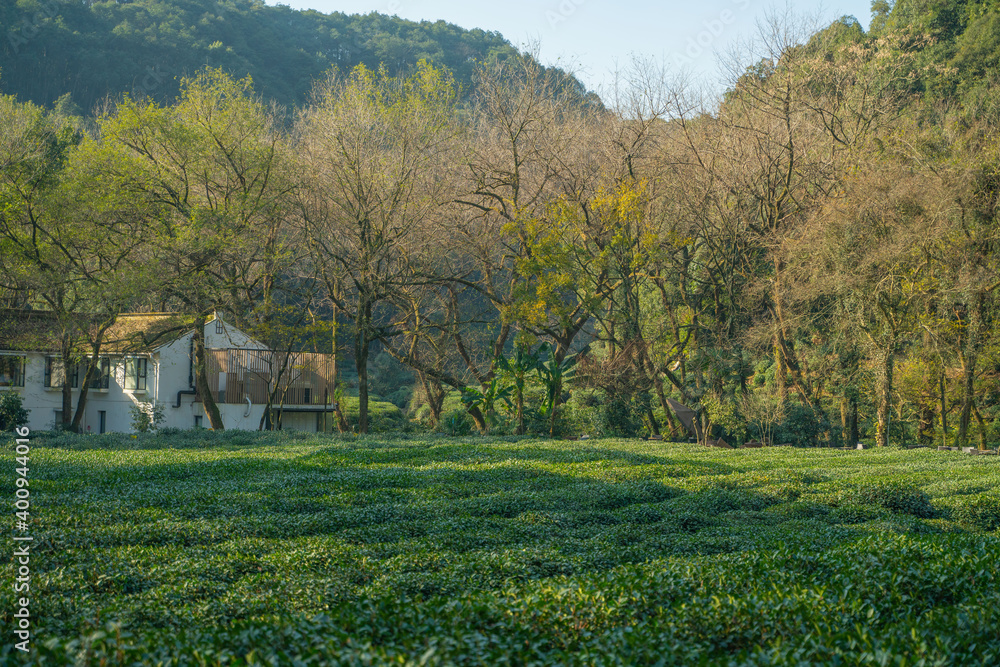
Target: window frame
{"x": 16, "y": 380}
{"x": 136, "y": 374}
{"x": 50, "y": 368}
{"x": 102, "y": 381}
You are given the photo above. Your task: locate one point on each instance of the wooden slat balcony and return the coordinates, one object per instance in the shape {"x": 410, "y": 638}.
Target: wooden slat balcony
{"x": 295, "y": 379}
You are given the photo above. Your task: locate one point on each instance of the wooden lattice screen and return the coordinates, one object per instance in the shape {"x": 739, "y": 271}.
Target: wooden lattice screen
{"x": 301, "y": 378}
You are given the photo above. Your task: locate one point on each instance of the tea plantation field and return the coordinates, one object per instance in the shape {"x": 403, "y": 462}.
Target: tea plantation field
{"x": 293, "y": 549}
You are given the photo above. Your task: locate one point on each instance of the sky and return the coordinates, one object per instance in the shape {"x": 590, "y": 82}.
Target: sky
{"x": 594, "y": 38}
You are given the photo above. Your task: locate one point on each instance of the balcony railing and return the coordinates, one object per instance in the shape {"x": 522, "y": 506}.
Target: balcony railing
{"x": 295, "y": 379}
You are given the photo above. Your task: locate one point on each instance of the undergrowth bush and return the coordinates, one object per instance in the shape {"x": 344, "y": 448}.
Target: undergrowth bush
{"x": 456, "y": 422}
{"x": 383, "y": 417}
{"x": 800, "y": 426}
{"x": 618, "y": 416}
{"x": 12, "y": 412}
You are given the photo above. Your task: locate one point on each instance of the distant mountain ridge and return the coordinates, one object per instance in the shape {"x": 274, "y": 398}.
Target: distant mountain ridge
{"x": 92, "y": 50}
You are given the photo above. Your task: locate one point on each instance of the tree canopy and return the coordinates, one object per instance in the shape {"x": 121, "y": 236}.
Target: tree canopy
{"x": 93, "y": 50}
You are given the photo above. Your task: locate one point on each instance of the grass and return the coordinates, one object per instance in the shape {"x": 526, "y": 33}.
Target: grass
{"x": 243, "y": 548}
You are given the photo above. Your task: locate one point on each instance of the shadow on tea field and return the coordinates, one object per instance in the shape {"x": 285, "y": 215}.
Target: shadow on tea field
{"x": 482, "y": 551}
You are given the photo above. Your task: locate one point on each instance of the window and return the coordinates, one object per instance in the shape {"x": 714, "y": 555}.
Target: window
{"x": 222, "y": 387}
{"x": 102, "y": 419}
{"x": 197, "y": 421}
{"x": 136, "y": 370}
{"x": 218, "y": 325}
{"x": 102, "y": 378}
{"x": 11, "y": 371}
{"x": 49, "y": 363}
{"x": 54, "y": 375}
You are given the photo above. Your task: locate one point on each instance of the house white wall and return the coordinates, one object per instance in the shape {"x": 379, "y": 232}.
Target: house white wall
{"x": 43, "y": 403}
{"x": 175, "y": 375}
{"x": 300, "y": 421}
{"x": 169, "y": 373}
{"x": 219, "y": 334}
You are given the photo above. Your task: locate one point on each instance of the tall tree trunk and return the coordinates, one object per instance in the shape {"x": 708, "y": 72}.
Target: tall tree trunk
{"x": 269, "y": 420}
{"x": 780, "y": 358}
{"x": 437, "y": 401}
{"x": 654, "y": 426}
{"x": 92, "y": 370}
{"x": 982, "y": 426}
{"x": 361, "y": 358}
{"x": 944, "y": 408}
{"x": 854, "y": 421}
{"x": 434, "y": 393}
{"x": 926, "y": 424}
{"x": 201, "y": 375}
{"x": 362, "y": 345}
{"x": 969, "y": 358}
{"x": 965, "y": 416}
{"x": 650, "y": 369}
{"x": 780, "y": 371}
{"x": 671, "y": 424}
{"x": 477, "y": 416}
{"x": 67, "y": 387}
{"x": 885, "y": 396}
{"x": 337, "y": 412}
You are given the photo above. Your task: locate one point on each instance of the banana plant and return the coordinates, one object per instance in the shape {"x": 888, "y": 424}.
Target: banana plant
{"x": 486, "y": 398}
{"x": 517, "y": 369}
{"x": 554, "y": 374}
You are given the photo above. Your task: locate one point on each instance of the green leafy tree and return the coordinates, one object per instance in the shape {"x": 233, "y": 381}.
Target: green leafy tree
{"x": 68, "y": 245}
{"x": 208, "y": 175}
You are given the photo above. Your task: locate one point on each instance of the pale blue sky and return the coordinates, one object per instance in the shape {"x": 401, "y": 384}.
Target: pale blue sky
{"x": 591, "y": 36}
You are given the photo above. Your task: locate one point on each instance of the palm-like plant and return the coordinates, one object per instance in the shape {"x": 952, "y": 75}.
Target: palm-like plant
{"x": 554, "y": 373}
{"x": 517, "y": 369}
{"x": 486, "y": 398}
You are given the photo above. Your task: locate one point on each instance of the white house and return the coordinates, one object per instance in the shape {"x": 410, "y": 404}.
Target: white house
{"x": 147, "y": 359}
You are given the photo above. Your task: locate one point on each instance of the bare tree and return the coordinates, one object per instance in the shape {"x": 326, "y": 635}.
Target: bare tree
{"x": 372, "y": 145}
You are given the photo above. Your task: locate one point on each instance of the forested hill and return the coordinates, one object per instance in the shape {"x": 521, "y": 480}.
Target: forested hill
{"x": 94, "y": 49}
{"x": 955, "y": 44}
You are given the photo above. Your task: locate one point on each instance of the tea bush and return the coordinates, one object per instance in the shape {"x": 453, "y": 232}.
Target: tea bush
{"x": 981, "y": 512}
{"x": 893, "y": 496}
{"x": 235, "y": 548}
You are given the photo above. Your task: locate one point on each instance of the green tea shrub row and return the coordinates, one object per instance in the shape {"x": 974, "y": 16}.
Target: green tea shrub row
{"x": 934, "y": 600}
{"x": 892, "y": 496}
{"x": 980, "y": 512}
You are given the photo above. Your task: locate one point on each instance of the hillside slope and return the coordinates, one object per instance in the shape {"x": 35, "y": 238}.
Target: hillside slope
{"x": 95, "y": 49}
